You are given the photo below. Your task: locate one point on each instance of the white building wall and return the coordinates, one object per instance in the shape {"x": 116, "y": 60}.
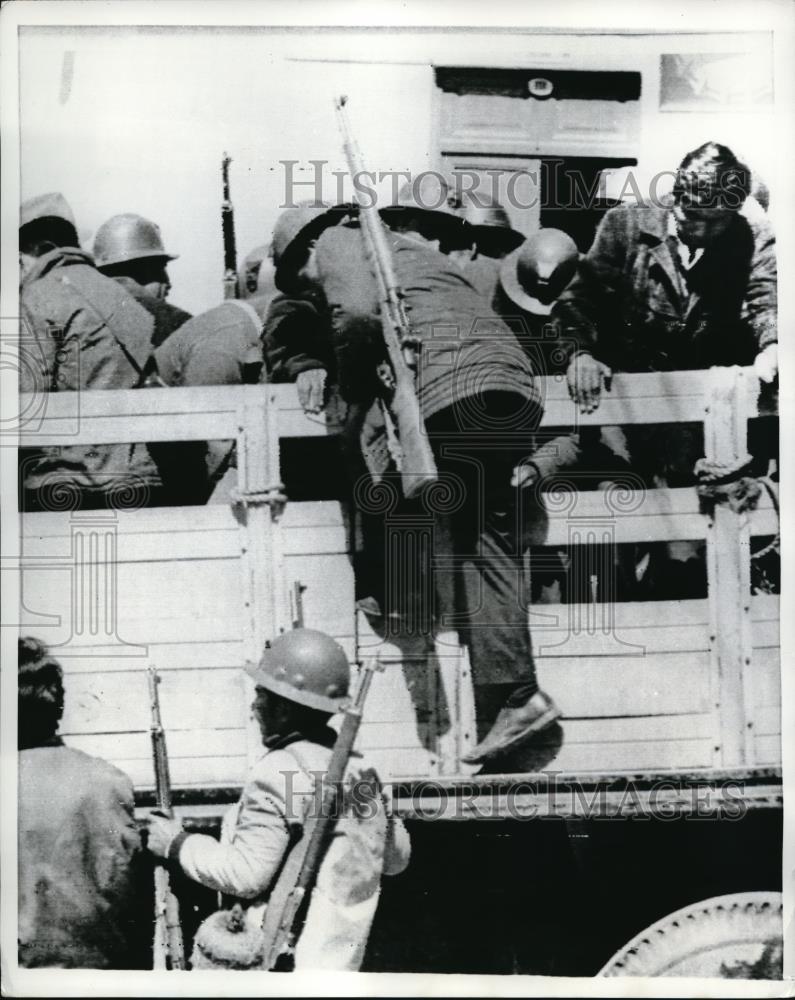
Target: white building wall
{"x": 148, "y": 113}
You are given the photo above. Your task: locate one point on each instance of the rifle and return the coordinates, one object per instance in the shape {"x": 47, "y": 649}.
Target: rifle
{"x": 417, "y": 464}
{"x": 169, "y": 950}
{"x": 289, "y": 899}
{"x": 228, "y": 230}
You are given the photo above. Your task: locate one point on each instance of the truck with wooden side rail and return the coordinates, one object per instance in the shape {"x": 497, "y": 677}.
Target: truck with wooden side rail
{"x": 665, "y": 789}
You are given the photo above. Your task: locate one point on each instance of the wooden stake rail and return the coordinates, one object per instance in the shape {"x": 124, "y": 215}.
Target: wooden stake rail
{"x": 203, "y": 587}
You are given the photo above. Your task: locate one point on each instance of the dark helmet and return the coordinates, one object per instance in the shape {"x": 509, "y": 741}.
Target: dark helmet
{"x": 294, "y": 230}
{"x": 535, "y": 274}
{"x": 307, "y": 667}
{"x": 128, "y": 237}
{"x": 491, "y": 227}
{"x": 430, "y": 194}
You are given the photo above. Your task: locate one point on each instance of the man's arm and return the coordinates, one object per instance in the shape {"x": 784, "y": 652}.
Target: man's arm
{"x": 296, "y": 338}
{"x": 271, "y": 802}
{"x": 761, "y": 300}
{"x": 352, "y": 295}
{"x": 593, "y": 296}
{"x": 592, "y": 300}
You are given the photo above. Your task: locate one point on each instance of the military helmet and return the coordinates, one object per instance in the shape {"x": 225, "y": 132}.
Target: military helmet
{"x": 307, "y": 667}
{"x": 430, "y": 194}
{"x": 295, "y": 229}
{"x": 535, "y": 274}
{"x": 490, "y": 224}
{"x": 45, "y": 206}
{"x": 128, "y": 237}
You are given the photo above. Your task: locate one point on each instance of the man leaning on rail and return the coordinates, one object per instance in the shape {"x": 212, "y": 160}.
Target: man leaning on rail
{"x": 686, "y": 282}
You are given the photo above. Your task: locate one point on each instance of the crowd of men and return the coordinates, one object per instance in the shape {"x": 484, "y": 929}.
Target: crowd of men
{"x": 687, "y": 282}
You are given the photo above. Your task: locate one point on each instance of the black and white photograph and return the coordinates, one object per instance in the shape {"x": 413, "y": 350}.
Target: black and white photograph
{"x": 392, "y": 498}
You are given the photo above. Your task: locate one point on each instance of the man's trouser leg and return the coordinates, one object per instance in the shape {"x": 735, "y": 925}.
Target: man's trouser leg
{"x": 490, "y": 607}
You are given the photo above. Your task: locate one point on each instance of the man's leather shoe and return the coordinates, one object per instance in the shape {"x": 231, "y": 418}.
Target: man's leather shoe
{"x": 513, "y": 727}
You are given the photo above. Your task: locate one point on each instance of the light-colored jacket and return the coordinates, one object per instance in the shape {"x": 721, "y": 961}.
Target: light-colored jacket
{"x": 257, "y": 834}
{"x": 81, "y": 330}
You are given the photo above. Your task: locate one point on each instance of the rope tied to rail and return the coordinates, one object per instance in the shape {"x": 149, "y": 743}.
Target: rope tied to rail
{"x": 727, "y": 482}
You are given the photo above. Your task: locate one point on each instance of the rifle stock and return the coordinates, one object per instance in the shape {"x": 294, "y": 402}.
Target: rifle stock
{"x": 417, "y": 463}
{"x": 168, "y": 948}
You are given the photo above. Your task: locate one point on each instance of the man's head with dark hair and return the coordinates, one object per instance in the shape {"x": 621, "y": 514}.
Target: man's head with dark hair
{"x": 40, "y": 694}
{"x": 710, "y": 187}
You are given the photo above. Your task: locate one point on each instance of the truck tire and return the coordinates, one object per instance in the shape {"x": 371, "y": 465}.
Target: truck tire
{"x": 739, "y": 936}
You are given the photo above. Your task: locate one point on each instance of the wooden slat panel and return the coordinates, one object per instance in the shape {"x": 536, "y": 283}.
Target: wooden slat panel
{"x": 579, "y": 758}
{"x": 107, "y": 416}
{"x": 198, "y": 600}
{"x": 765, "y": 678}
{"x": 765, "y": 607}
{"x": 584, "y": 757}
{"x": 329, "y": 595}
{"x": 189, "y": 772}
{"x": 180, "y": 533}
{"x": 181, "y": 744}
{"x": 660, "y": 683}
{"x": 767, "y": 720}
{"x": 119, "y": 702}
{"x": 177, "y": 655}
{"x": 391, "y": 764}
{"x": 622, "y": 641}
{"x": 767, "y": 749}
{"x": 641, "y": 729}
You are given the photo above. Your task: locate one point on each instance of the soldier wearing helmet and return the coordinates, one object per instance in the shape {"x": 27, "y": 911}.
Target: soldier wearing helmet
{"x": 475, "y": 379}
{"x": 301, "y": 681}
{"x": 297, "y": 335}
{"x": 80, "y": 331}
{"x": 129, "y": 249}
{"x": 221, "y": 346}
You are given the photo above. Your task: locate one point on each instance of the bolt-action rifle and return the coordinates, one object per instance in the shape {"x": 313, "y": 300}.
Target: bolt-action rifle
{"x": 228, "y": 231}
{"x": 289, "y": 900}
{"x": 169, "y": 950}
{"x": 417, "y": 464}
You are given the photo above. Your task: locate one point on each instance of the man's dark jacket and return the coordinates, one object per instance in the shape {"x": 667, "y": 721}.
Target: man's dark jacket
{"x": 635, "y": 307}
{"x": 471, "y": 363}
